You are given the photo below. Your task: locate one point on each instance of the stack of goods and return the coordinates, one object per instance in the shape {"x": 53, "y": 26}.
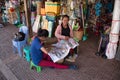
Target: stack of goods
{"x": 48, "y": 11}
{"x": 52, "y": 7}
{"x": 52, "y": 10}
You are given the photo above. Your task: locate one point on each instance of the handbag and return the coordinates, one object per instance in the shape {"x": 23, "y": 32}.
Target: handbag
{"x": 19, "y": 36}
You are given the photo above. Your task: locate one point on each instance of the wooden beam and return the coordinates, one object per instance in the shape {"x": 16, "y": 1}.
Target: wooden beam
{"x": 28, "y": 17}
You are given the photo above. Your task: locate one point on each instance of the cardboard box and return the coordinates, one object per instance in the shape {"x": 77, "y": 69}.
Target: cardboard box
{"x": 42, "y": 11}
{"x": 52, "y": 7}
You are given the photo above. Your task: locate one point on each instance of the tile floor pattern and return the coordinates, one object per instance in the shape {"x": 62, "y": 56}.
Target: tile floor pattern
{"x": 2, "y": 77}
{"x": 91, "y": 67}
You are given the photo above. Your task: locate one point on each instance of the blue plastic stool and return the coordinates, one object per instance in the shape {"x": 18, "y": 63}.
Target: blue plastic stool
{"x": 27, "y": 53}
{"x": 19, "y": 45}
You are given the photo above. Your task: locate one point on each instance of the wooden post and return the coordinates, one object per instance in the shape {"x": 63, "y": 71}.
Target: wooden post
{"x": 28, "y": 17}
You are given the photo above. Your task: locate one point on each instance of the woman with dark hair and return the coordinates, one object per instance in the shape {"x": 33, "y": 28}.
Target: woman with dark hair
{"x": 64, "y": 32}
{"x": 38, "y": 51}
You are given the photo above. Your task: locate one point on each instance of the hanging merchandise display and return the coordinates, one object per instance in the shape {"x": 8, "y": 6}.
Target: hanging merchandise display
{"x": 98, "y": 6}
{"x": 78, "y": 11}
{"x": 54, "y": 10}
{"x": 109, "y": 7}
{"x": 2, "y": 11}
{"x": 13, "y": 11}
{"x": 72, "y": 5}
{"x": 73, "y": 16}
{"x": 12, "y": 15}
{"x": 92, "y": 16}
{"x": 4, "y": 17}
{"x": 63, "y": 9}
{"x": 16, "y": 5}
{"x": 71, "y": 12}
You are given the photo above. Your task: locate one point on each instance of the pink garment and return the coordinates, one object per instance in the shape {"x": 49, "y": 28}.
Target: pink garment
{"x": 46, "y": 62}
{"x": 46, "y": 57}
{"x": 58, "y": 32}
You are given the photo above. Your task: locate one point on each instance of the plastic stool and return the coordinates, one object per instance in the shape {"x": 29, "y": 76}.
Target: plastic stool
{"x": 38, "y": 68}
{"x": 27, "y": 53}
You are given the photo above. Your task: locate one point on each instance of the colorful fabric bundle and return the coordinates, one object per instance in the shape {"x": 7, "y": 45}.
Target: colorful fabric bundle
{"x": 97, "y": 8}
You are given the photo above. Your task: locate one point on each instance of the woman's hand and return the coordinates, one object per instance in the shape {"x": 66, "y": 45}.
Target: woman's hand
{"x": 66, "y": 37}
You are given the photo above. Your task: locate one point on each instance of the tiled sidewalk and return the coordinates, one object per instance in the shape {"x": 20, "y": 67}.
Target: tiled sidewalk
{"x": 2, "y": 77}
{"x": 91, "y": 67}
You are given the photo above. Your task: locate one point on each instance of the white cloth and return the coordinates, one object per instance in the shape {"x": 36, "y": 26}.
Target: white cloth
{"x": 114, "y": 34}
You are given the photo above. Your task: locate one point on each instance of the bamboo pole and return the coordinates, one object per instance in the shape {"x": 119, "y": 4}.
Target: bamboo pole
{"x": 27, "y": 16}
